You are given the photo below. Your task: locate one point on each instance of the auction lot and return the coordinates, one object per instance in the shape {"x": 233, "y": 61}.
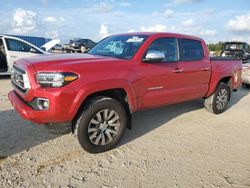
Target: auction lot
{"x": 176, "y": 146}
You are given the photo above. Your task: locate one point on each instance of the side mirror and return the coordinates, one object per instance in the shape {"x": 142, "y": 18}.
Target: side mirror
{"x": 154, "y": 56}
{"x": 32, "y": 50}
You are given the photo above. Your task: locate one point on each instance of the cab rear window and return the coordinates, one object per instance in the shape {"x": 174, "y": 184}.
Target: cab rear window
{"x": 190, "y": 50}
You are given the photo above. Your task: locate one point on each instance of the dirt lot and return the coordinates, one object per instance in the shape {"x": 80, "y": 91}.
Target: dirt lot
{"x": 175, "y": 146}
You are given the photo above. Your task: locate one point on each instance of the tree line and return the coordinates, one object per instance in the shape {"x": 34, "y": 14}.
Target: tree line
{"x": 216, "y": 47}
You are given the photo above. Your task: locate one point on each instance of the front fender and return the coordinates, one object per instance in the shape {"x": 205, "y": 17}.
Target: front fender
{"x": 98, "y": 86}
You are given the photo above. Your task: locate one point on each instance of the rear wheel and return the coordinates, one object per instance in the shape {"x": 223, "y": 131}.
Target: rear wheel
{"x": 217, "y": 103}
{"x": 101, "y": 124}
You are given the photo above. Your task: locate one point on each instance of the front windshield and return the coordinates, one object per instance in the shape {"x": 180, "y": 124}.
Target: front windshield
{"x": 123, "y": 46}
{"x": 234, "y": 46}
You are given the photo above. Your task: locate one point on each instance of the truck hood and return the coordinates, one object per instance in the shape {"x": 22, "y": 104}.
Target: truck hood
{"x": 52, "y": 61}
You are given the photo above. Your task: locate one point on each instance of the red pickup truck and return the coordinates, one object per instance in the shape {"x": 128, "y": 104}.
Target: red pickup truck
{"x": 97, "y": 92}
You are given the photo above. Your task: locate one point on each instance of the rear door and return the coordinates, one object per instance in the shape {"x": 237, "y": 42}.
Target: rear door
{"x": 195, "y": 69}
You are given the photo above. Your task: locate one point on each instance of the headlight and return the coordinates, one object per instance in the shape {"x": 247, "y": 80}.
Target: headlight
{"x": 55, "y": 79}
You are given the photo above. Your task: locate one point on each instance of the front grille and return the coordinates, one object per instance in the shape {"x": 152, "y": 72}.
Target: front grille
{"x": 19, "y": 79}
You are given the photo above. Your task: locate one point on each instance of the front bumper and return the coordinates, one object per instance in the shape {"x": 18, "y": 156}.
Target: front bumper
{"x": 58, "y": 111}
{"x": 24, "y": 110}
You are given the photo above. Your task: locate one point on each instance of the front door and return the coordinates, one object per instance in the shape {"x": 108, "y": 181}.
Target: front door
{"x": 160, "y": 83}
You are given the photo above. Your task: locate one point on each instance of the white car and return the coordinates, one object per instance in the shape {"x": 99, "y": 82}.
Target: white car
{"x": 12, "y": 48}
{"x": 246, "y": 75}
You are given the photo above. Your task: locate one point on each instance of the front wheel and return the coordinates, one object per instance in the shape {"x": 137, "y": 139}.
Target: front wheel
{"x": 217, "y": 103}
{"x": 101, "y": 125}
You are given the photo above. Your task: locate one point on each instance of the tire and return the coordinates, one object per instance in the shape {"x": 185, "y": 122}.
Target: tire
{"x": 218, "y": 101}
{"x": 101, "y": 125}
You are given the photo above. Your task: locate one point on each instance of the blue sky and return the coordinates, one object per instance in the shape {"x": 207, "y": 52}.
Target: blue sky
{"x": 65, "y": 19}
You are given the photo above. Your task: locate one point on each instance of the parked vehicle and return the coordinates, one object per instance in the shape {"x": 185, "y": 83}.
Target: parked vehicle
{"x": 246, "y": 75}
{"x": 236, "y": 50}
{"x": 58, "y": 48}
{"x": 96, "y": 93}
{"x": 12, "y": 49}
{"x": 80, "y": 45}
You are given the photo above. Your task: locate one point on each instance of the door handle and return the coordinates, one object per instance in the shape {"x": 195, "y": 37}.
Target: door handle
{"x": 205, "y": 69}
{"x": 177, "y": 70}
{"x": 13, "y": 56}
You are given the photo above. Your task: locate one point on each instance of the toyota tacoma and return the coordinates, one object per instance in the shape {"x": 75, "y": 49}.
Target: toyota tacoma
{"x": 96, "y": 93}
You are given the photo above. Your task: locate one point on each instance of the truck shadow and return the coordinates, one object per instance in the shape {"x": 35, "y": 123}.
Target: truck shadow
{"x": 18, "y": 135}
{"x": 236, "y": 97}
{"x": 148, "y": 120}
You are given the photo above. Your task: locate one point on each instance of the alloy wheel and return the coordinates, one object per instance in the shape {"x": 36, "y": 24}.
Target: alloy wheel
{"x": 103, "y": 127}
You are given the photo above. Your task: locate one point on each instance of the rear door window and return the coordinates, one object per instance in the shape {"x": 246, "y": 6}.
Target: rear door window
{"x": 190, "y": 50}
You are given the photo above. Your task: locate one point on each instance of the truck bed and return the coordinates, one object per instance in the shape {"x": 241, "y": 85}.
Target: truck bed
{"x": 220, "y": 58}
{"x": 227, "y": 67}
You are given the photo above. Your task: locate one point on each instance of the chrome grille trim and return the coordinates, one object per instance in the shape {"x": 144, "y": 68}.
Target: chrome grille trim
{"x": 19, "y": 79}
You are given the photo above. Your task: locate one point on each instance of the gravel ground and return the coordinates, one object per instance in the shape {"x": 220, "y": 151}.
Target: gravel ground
{"x": 176, "y": 146}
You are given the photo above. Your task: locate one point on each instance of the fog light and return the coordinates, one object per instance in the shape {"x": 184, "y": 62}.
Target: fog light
{"x": 42, "y": 104}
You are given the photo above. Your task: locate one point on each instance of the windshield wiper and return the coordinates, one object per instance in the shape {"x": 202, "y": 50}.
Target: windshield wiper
{"x": 106, "y": 55}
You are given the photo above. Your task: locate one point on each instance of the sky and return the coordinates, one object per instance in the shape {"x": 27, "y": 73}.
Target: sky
{"x": 213, "y": 20}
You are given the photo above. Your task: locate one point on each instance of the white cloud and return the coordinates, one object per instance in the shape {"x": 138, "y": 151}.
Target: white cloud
{"x": 208, "y": 32}
{"x": 104, "y": 31}
{"x": 155, "y": 28}
{"x": 24, "y": 21}
{"x": 188, "y": 23}
{"x": 186, "y": 1}
{"x": 131, "y": 31}
{"x": 50, "y": 19}
{"x": 124, "y": 4}
{"x": 102, "y": 7}
{"x": 168, "y": 13}
{"x": 237, "y": 38}
{"x": 239, "y": 23}
{"x": 52, "y": 34}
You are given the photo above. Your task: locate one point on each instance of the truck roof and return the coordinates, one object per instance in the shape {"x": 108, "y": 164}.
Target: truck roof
{"x": 161, "y": 33}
